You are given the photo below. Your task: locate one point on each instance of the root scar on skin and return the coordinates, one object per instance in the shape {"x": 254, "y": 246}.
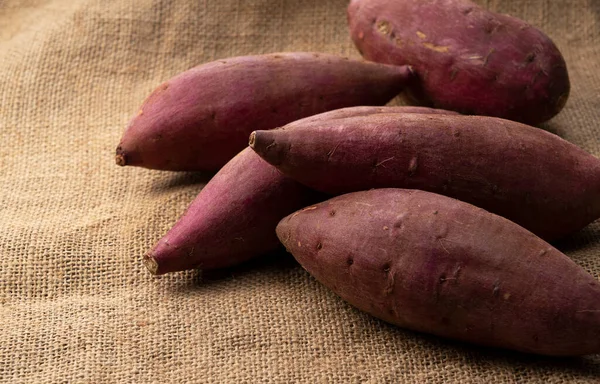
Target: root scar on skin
{"x": 330, "y": 153}
{"x": 487, "y": 57}
{"x": 305, "y": 209}
{"x": 383, "y": 162}
{"x": 383, "y": 27}
{"x": 444, "y": 247}
{"x": 437, "y": 48}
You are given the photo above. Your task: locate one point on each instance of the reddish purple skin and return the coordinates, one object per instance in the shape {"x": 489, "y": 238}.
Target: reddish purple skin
{"x": 232, "y": 219}
{"x": 532, "y": 177}
{"x": 344, "y": 113}
{"x": 437, "y": 265}
{"x": 468, "y": 59}
{"x": 201, "y": 118}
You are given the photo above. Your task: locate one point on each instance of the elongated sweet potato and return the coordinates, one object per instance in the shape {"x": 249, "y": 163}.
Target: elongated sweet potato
{"x": 467, "y": 58}
{"x": 530, "y": 176}
{"x": 233, "y": 219}
{"x": 438, "y": 265}
{"x": 201, "y": 118}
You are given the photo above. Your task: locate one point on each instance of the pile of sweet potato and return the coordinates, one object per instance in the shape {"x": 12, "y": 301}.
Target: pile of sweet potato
{"x": 435, "y": 217}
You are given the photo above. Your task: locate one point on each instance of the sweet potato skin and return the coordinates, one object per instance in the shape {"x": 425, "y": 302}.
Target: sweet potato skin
{"x": 201, "y": 118}
{"x": 467, "y": 59}
{"x": 438, "y": 265}
{"x": 347, "y": 112}
{"x": 530, "y": 176}
{"x": 232, "y": 219}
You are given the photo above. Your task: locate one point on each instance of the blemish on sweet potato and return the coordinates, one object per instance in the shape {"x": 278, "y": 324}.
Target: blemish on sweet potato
{"x": 441, "y": 241}
{"x": 413, "y": 165}
{"x": 389, "y": 288}
{"x": 496, "y": 290}
{"x": 487, "y": 57}
{"x": 437, "y": 48}
{"x": 383, "y": 27}
{"x": 381, "y": 163}
{"x": 421, "y": 35}
{"x": 453, "y": 74}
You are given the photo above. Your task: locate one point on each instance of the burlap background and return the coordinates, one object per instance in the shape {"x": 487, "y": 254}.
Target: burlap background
{"x": 76, "y": 304}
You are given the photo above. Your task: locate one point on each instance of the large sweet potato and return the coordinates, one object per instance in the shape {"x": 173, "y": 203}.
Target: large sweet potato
{"x": 438, "y": 265}
{"x": 233, "y": 219}
{"x": 467, "y": 58}
{"x": 201, "y": 118}
{"x": 528, "y": 175}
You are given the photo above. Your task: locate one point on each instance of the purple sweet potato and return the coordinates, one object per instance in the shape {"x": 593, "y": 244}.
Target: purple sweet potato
{"x": 233, "y": 219}
{"x": 530, "y": 176}
{"x": 201, "y": 118}
{"x": 468, "y": 59}
{"x": 434, "y": 264}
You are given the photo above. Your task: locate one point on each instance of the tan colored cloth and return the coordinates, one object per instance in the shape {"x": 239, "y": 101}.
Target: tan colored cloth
{"x": 76, "y": 304}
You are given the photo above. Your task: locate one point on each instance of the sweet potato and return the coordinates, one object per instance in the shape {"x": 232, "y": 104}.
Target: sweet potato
{"x": 201, "y": 118}
{"x": 525, "y": 174}
{"x": 233, "y": 219}
{"x": 438, "y": 265}
{"x": 467, "y": 59}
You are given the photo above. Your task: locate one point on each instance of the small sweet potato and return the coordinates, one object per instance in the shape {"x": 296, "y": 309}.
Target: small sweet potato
{"x": 233, "y": 219}
{"x": 467, "y": 59}
{"x": 530, "y": 176}
{"x": 201, "y": 118}
{"x": 438, "y": 265}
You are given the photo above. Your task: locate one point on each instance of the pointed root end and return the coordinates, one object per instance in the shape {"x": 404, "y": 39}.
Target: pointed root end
{"x": 151, "y": 264}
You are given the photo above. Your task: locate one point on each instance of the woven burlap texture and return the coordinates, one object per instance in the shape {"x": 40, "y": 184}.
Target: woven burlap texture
{"x": 76, "y": 304}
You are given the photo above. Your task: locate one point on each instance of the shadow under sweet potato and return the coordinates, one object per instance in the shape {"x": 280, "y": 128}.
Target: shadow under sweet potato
{"x": 480, "y": 357}
{"x": 588, "y": 237}
{"x": 176, "y": 180}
